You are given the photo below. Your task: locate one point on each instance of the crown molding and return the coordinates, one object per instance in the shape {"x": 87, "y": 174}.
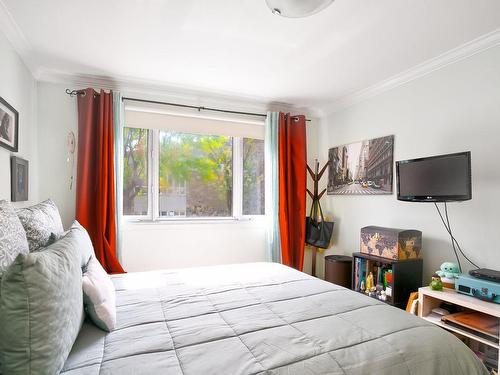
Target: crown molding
{"x": 457, "y": 54}
{"x": 155, "y": 90}
{"x": 202, "y": 96}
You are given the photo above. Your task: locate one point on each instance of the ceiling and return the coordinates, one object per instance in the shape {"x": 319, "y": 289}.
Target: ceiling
{"x": 238, "y": 47}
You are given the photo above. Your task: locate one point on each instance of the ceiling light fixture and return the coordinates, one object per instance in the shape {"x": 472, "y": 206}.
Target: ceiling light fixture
{"x": 297, "y": 8}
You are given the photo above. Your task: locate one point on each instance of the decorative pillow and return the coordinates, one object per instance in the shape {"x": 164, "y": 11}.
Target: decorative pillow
{"x": 99, "y": 296}
{"x": 84, "y": 243}
{"x": 12, "y": 236}
{"x": 41, "y": 309}
{"x": 39, "y": 222}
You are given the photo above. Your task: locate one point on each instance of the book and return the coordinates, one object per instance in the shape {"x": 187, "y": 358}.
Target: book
{"x": 356, "y": 274}
{"x": 483, "y": 325}
{"x": 364, "y": 267}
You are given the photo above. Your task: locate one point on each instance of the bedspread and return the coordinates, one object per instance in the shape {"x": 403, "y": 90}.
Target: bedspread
{"x": 260, "y": 318}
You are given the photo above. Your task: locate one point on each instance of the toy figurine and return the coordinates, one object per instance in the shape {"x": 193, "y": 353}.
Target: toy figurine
{"x": 369, "y": 283}
{"x": 362, "y": 288}
{"x": 387, "y": 278}
{"x": 448, "y": 273}
{"x": 388, "y": 291}
{"x": 449, "y": 270}
{"x": 383, "y": 296}
{"x": 436, "y": 283}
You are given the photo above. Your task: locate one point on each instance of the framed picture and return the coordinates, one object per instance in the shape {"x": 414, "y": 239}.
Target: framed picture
{"x": 19, "y": 179}
{"x": 9, "y": 126}
{"x": 362, "y": 168}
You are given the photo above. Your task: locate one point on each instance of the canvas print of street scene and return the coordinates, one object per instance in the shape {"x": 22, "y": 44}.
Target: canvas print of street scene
{"x": 361, "y": 168}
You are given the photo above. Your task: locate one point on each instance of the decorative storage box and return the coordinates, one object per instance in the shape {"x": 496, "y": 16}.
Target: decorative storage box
{"x": 398, "y": 244}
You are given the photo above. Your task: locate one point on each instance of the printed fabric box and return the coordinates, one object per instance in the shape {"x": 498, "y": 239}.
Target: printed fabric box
{"x": 397, "y": 244}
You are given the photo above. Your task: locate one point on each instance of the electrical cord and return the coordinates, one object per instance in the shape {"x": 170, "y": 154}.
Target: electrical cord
{"x": 453, "y": 239}
{"x": 451, "y": 236}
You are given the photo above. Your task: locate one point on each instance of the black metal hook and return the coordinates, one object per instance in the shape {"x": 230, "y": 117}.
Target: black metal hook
{"x": 75, "y": 92}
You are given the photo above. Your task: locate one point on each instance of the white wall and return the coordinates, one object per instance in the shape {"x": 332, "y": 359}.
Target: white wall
{"x": 162, "y": 246}
{"x": 312, "y": 155}
{"x": 57, "y": 116}
{"x": 146, "y": 246}
{"x": 18, "y": 88}
{"x": 454, "y": 109}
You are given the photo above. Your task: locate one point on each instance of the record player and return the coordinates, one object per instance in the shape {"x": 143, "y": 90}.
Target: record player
{"x": 485, "y": 290}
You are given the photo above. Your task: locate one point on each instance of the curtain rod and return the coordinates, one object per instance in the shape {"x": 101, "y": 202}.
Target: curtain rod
{"x": 77, "y": 92}
{"x": 199, "y": 108}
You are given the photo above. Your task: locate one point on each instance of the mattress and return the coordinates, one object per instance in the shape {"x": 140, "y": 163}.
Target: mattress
{"x": 260, "y": 318}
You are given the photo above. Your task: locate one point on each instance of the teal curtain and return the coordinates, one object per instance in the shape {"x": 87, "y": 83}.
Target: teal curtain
{"x": 118, "y": 119}
{"x": 272, "y": 187}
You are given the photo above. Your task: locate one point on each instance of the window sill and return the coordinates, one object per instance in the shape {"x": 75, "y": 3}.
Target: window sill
{"x": 251, "y": 220}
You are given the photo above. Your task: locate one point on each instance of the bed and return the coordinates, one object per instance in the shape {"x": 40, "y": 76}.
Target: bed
{"x": 259, "y": 318}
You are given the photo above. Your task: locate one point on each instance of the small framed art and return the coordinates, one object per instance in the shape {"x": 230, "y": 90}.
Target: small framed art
{"x": 19, "y": 179}
{"x": 9, "y": 126}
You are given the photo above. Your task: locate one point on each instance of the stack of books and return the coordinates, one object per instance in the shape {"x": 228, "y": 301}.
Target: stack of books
{"x": 479, "y": 324}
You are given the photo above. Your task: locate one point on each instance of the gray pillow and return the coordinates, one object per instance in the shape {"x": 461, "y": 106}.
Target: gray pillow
{"x": 39, "y": 222}
{"x": 85, "y": 246}
{"x": 12, "y": 236}
{"x": 41, "y": 308}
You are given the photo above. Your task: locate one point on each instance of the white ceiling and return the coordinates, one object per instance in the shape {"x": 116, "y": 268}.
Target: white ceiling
{"x": 239, "y": 47}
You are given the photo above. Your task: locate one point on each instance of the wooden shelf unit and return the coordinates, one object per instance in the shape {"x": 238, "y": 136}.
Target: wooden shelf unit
{"x": 429, "y": 299}
{"x": 406, "y": 276}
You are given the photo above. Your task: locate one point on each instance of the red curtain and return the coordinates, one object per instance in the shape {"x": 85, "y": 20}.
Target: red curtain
{"x": 292, "y": 188}
{"x": 95, "y": 188}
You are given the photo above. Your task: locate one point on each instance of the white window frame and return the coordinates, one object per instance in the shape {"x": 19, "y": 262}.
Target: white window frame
{"x": 153, "y": 215}
{"x": 148, "y": 216}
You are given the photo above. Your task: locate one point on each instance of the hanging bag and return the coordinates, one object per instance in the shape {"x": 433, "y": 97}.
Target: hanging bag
{"x": 318, "y": 233}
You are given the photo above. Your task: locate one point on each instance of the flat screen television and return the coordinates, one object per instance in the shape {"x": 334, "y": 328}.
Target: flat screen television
{"x": 441, "y": 178}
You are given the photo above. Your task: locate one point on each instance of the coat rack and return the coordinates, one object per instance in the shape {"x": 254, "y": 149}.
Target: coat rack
{"x": 315, "y": 196}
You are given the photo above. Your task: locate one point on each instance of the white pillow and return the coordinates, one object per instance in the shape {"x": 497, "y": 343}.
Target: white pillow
{"x": 99, "y": 296}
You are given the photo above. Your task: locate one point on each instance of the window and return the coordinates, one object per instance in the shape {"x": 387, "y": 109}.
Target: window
{"x": 135, "y": 171}
{"x": 196, "y": 175}
{"x": 173, "y": 174}
{"x": 253, "y": 177}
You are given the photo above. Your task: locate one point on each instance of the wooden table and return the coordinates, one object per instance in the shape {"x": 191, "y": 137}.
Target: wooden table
{"x": 428, "y": 299}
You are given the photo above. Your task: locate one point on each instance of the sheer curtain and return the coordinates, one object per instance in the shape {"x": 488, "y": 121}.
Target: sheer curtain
{"x": 118, "y": 120}
{"x": 272, "y": 187}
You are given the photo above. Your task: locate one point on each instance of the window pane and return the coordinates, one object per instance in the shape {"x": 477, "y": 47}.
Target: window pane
{"x": 135, "y": 171}
{"x": 196, "y": 177}
{"x": 253, "y": 177}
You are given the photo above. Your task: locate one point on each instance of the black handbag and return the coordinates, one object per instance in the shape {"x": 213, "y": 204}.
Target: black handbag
{"x": 318, "y": 233}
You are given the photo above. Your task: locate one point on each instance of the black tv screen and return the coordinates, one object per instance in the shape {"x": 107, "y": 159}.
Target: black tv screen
{"x": 440, "y": 178}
